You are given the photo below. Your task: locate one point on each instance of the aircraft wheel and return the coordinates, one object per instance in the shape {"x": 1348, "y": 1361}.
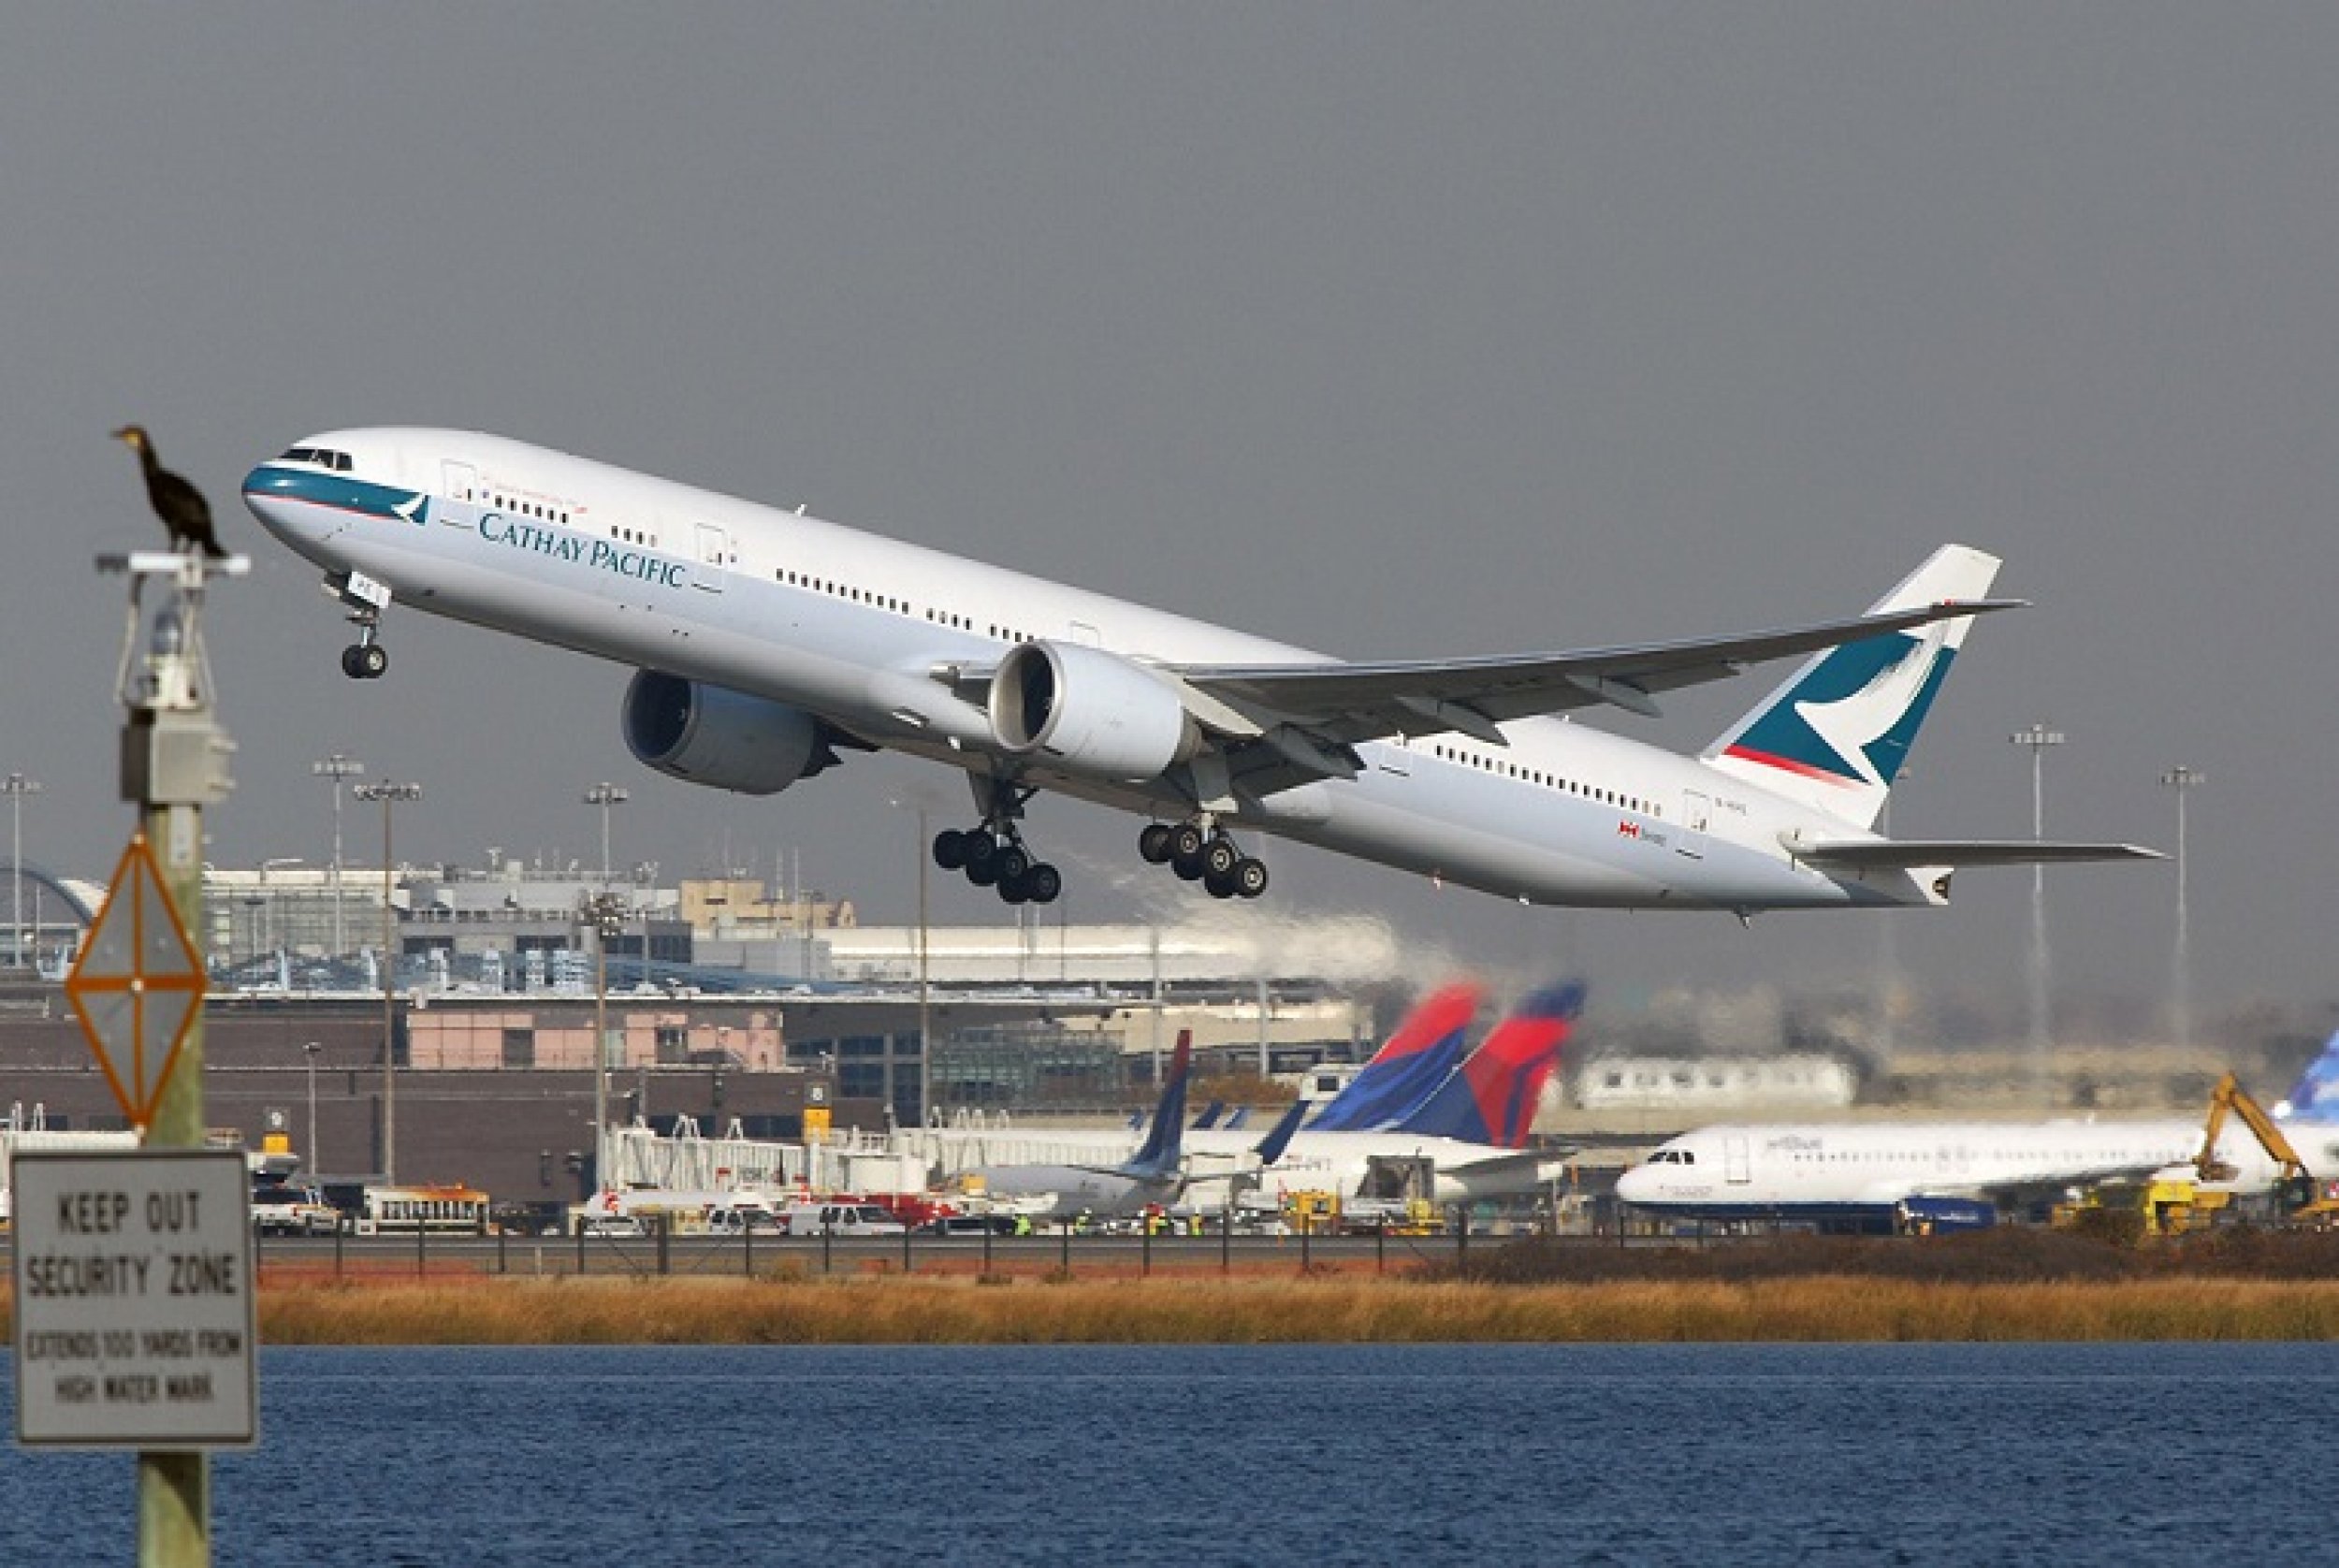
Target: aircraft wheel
{"x": 1250, "y": 877}
{"x": 982, "y": 859}
{"x": 1154, "y": 843}
{"x": 1012, "y": 890}
{"x": 1014, "y": 860}
{"x": 1187, "y": 842}
{"x": 1188, "y": 867}
{"x": 1044, "y": 883}
{"x": 1219, "y": 857}
{"x": 949, "y": 848}
{"x": 1218, "y": 884}
{"x": 365, "y": 660}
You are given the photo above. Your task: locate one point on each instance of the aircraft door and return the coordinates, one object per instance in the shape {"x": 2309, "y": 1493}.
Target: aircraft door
{"x": 1697, "y": 813}
{"x": 714, "y": 551}
{"x": 462, "y": 481}
{"x": 1737, "y": 1165}
{"x": 1395, "y": 755}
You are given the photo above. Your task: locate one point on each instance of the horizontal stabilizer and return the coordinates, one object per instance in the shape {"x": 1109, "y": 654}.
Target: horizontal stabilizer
{"x": 1881, "y": 854}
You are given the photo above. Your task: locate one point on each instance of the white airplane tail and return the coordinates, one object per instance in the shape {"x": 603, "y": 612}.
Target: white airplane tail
{"x": 1833, "y": 733}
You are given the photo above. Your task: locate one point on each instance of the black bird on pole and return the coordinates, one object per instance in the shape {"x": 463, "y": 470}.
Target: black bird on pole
{"x": 178, "y": 503}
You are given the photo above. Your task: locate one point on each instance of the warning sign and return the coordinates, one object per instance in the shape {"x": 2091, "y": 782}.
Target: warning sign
{"x": 133, "y": 1313}
{"x": 137, "y": 985}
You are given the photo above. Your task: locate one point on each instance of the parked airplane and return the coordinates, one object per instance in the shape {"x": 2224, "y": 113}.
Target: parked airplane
{"x": 1860, "y": 1174}
{"x": 1410, "y": 1065}
{"x": 766, "y": 643}
{"x": 1155, "y": 1175}
{"x": 1472, "y": 1131}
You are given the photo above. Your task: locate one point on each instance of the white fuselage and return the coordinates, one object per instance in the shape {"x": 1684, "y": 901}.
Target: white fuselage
{"x": 1788, "y": 1170}
{"x": 1337, "y": 1162}
{"x": 852, "y": 627}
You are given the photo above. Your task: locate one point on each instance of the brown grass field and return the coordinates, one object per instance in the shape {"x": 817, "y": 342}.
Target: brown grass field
{"x": 1345, "y": 1310}
{"x": 2006, "y": 1285}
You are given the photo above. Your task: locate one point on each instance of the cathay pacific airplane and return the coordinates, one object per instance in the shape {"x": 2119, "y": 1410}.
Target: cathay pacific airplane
{"x": 767, "y": 642}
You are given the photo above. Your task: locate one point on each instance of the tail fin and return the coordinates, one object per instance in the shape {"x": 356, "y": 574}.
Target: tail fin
{"x": 1405, "y": 1071}
{"x": 2316, "y": 1096}
{"x": 1491, "y": 1100}
{"x": 1165, "y": 1145}
{"x": 1278, "y": 1139}
{"x": 1834, "y": 735}
{"x": 1241, "y": 1119}
{"x": 1208, "y": 1118}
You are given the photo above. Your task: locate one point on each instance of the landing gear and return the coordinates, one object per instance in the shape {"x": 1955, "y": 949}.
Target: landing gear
{"x": 993, "y": 855}
{"x": 366, "y": 659}
{"x": 1204, "y": 855}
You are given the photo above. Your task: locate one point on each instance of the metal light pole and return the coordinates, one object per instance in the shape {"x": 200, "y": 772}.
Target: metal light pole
{"x": 338, "y": 767}
{"x": 925, "y": 1070}
{"x": 2181, "y": 779}
{"x": 16, "y": 787}
{"x": 605, "y": 795}
{"x": 605, "y": 914}
{"x": 2039, "y": 738}
{"x": 388, "y": 795}
{"x": 316, "y": 1162}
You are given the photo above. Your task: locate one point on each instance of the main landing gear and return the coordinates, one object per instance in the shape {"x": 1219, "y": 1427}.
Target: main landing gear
{"x": 1202, "y": 855}
{"x": 995, "y": 858}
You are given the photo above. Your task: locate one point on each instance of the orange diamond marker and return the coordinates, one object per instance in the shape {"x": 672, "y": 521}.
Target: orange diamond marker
{"x": 137, "y": 985}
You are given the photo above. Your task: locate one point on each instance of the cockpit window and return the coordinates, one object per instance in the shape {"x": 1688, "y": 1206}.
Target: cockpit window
{"x": 322, "y": 456}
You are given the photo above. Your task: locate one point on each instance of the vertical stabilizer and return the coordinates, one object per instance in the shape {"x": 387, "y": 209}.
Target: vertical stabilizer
{"x": 1165, "y": 1145}
{"x": 1406, "y": 1070}
{"x": 1833, "y": 734}
{"x": 2314, "y": 1097}
{"x": 1491, "y": 1099}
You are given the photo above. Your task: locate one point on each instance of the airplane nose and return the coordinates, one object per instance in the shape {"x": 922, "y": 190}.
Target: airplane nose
{"x": 1636, "y": 1184}
{"x": 282, "y": 500}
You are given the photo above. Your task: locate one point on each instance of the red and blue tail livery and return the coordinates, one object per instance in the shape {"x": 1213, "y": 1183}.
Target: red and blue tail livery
{"x": 1407, "y": 1070}
{"x": 1492, "y": 1097}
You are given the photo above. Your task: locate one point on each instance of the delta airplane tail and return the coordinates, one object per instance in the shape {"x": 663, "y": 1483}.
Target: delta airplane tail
{"x": 1158, "y": 1157}
{"x": 1491, "y": 1099}
{"x": 1833, "y": 734}
{"x": 1407, "y": 1070}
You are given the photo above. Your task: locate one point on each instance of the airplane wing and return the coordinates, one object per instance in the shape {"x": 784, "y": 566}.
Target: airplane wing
{"x": 1906, "y": 853}
{"x": 1344, "y": 703}
{"x": 2039, "y": 1183}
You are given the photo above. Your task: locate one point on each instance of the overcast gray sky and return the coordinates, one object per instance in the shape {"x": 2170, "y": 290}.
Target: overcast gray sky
{"x": 1387, "y": 329}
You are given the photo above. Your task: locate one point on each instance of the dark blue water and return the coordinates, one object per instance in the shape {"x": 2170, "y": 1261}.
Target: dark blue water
{"x": 2114, "y": 1455}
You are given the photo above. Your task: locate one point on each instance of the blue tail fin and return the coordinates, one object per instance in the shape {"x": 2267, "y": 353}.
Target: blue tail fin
{"x": 1208, "y": 1118}
{"x": 1492, "y": 1098}
{"x": 1278, "y": 1139}
{"x": 2316, "y": 1096}
{"x": 1165, "y": 1145}
{"x": 1419, "y": 1056}
{"x": 1833, "y": 734}
{"x": 1241, "y": 1119}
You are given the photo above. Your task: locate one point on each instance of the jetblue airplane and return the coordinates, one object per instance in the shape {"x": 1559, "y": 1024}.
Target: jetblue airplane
{"x": 1855, "y": 1173}
{"x": 767, "y": 642}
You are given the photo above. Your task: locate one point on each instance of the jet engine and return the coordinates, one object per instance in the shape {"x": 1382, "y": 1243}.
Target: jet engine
{"x": 1090, "y": 711}
{"x": 724, "y": 739}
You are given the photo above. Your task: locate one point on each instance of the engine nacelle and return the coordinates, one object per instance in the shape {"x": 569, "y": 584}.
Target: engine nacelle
{"x": 716, "y": 736}
{"x": 1089, "y": 710}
